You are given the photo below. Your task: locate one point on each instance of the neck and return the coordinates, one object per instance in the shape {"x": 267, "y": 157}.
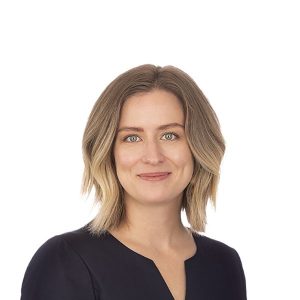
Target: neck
{"x": 158, "y": 225}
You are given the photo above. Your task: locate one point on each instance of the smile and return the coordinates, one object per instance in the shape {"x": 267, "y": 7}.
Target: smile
{"x": 156, "y": 177}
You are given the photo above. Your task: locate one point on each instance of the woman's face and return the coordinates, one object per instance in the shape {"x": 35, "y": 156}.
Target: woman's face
{"x": 148, "y": 148}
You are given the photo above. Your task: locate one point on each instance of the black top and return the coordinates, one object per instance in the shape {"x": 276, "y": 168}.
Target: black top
{"x": 79, "y": 266}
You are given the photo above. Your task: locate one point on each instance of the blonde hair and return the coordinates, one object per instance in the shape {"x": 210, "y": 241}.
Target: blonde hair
{"x": 202, "y": 131}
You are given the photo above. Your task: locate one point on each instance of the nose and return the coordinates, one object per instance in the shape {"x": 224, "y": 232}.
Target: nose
{"x": 152, "y": 153}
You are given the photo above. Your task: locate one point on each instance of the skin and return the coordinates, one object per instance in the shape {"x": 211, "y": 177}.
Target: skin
{"x": 153, "y": 217}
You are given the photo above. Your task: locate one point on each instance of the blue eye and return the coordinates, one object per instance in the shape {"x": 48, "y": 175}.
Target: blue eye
{"x": 170, "y": 134}
{"x": 165, "y": 134}
{"x": 129, "y": 136}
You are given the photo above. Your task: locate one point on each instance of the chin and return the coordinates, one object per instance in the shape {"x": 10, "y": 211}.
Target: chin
{"x": 158, "y": 198}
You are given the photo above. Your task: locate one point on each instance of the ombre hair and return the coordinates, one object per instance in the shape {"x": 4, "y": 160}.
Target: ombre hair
{"x": 202, "y": 131}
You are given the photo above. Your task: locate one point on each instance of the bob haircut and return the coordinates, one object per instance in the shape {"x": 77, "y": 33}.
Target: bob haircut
{"x": 202, "y": 130}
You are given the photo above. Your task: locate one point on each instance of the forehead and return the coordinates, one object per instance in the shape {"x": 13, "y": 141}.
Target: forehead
{"x": 157, "y": 107}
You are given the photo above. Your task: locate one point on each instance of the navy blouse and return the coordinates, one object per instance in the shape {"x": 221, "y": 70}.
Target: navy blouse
{"x": 79, "y": 266}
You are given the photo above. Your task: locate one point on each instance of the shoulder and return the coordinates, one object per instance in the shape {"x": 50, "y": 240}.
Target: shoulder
{"x": 71, "y": 243}
{"x": 222, "y": 265}
{"x": 58, "y": 266}
{"x": 60, "y": 244}
{"x": 215, "y": 248}
{"x": 216, "y": 253}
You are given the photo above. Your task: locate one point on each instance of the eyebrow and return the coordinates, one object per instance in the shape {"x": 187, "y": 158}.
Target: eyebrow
{"x": 161, "y": 127}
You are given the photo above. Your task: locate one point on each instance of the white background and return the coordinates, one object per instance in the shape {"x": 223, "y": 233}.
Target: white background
{"x": 58, "y": 56}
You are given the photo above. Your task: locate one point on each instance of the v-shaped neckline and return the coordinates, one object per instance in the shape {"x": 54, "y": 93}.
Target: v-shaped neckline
{"x": 194, "y": 235}
{"x": 151, "y": 261}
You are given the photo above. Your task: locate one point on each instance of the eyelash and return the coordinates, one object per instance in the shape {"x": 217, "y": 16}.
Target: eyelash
{"x": 175, "y": 134}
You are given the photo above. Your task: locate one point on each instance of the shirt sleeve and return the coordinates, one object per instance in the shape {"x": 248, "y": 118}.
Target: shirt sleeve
{"x": 57, "y": 272}
{"x": 239, "y": 277}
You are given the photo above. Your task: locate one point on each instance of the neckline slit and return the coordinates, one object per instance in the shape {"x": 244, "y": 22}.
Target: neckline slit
{"x": 194, "y": 235}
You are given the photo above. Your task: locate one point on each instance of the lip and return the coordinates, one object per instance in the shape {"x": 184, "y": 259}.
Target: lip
{"x": 154, "y": 176}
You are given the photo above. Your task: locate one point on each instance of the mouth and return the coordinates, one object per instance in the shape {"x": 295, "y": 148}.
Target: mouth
{"x": 154, "y": 176}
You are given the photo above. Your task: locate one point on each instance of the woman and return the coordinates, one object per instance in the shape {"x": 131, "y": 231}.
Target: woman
{"x": 152, "y": 147}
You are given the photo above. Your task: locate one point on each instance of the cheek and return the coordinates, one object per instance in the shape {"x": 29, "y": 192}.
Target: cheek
{"x": 182, "y": 156}
{"x": 186, "y": 162}
{"x": 124, "y": 158}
